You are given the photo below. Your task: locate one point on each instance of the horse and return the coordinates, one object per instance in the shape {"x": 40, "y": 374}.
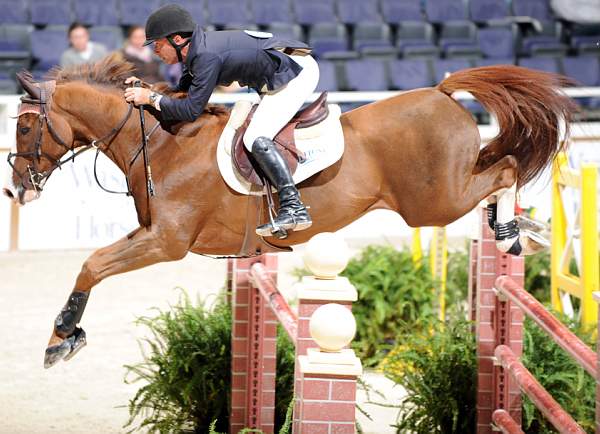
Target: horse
{"x": 416, "y": 153}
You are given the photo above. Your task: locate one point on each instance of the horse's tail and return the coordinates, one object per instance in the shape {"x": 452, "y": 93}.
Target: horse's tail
{"x": 529, "y": 106}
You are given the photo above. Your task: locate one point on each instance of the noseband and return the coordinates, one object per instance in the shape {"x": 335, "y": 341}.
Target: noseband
{"x": 41, "y": 107}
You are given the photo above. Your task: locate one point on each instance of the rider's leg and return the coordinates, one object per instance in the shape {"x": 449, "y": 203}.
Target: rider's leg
{"x": 272, "y": 114}
{"x": 292, "y": 214}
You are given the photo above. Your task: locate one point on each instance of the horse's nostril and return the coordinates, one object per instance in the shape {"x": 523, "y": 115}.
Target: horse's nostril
{"x": 8, "y": 193}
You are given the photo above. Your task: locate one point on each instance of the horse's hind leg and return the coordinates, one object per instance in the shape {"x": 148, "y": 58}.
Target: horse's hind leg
{"x": 510, "y": 238}
{"x": 141, "y": 248}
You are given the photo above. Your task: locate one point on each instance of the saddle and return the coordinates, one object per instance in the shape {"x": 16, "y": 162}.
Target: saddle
{"x": 284, "y": 140}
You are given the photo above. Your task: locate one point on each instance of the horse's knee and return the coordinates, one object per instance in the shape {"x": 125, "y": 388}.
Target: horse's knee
{"x": 171, "y": 250}
{"x": 176, "y": 253}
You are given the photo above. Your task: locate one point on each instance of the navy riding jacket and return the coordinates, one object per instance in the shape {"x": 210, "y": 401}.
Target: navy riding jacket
{"x": 253, "y": 59}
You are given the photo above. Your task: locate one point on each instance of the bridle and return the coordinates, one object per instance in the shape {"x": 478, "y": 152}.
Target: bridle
{"x": 40, "y": 107}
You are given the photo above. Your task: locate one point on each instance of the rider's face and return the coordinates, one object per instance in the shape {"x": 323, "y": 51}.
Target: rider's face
{"x": 165, "y": 51}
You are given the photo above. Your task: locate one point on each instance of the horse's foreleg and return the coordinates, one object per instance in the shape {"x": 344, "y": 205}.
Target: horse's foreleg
{"x": 141, "y": 248}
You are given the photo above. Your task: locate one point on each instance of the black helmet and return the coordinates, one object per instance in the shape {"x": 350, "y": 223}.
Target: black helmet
{"x": 167, "y": 20}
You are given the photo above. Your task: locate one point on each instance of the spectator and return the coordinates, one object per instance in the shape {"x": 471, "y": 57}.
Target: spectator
{"x": 81, "y": 49}
{"x": 147, "y": 67}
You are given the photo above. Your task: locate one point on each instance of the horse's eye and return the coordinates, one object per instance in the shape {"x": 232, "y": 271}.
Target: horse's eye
{"x": 24, "y": 130}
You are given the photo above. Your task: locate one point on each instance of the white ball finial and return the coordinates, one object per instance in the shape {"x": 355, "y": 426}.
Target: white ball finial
{"x": 326, "y": 255}
{"x": 332, "y": 326}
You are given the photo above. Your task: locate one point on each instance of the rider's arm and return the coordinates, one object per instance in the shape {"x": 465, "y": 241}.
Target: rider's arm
{"x": 204, "y": 81}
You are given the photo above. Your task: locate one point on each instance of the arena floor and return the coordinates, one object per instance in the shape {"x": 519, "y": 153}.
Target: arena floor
{"x": 88, "y": 394}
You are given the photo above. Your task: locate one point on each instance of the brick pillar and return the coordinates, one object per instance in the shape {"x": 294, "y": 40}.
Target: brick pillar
{"x": 497, "y": 323}
{"x": 325, "y": 391}
{"x": 253, "y": 352}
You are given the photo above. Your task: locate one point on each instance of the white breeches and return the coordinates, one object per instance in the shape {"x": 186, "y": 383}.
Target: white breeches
{"x": 278, "y": 107}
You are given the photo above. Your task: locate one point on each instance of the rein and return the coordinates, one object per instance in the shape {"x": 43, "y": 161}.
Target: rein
{"x": 41, "y": 107}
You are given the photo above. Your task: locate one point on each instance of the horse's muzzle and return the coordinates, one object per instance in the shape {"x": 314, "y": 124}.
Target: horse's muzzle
{"x": 20, "y": 195}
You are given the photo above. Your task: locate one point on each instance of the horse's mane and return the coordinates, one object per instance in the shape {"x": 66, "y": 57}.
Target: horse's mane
{"x": 112, "y": 71}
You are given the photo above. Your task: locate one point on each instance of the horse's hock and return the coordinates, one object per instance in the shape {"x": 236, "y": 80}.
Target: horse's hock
{"x": 325, "y": 370}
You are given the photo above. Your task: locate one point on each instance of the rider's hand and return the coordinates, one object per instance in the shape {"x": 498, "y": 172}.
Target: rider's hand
{"x": 137, "y": 95}
{"x": 133, "y": 79}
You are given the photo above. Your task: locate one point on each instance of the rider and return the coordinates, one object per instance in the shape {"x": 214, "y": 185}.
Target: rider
{"x": 280, "y": 70}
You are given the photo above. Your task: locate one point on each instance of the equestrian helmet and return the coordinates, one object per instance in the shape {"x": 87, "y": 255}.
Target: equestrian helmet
{"x": 167, "y": 20}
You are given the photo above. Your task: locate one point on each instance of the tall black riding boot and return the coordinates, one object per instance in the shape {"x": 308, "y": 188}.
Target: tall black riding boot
{"x": 292, "y": 214}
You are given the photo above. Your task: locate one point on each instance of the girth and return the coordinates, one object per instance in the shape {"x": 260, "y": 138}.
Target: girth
{"x": 311, "y": 115}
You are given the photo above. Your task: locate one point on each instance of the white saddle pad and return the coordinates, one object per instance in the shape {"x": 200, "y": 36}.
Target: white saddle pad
{"x": 322, "y": 144}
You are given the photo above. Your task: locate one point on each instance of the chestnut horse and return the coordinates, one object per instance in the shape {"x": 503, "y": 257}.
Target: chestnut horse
{"x": 417, "y": 153}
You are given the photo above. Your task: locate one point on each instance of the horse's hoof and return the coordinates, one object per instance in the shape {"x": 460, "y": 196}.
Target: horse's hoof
{"x": 532, "y": 243}
{"x": 66, "y": 349}
{"x": 526, "y": 223}
{"x": 78, "y": 342}
{"x": 56, "y": 353}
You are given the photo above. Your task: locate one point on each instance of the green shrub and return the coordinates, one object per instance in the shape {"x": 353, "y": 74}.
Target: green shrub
{"x": 187, "y": 370}
{"x": 537, "y": 276}
{"x": 438, "y": 371}
{"x": 561, "y": 376}
{"x": 391, "y": 292}
{"x": 457, "y": 284}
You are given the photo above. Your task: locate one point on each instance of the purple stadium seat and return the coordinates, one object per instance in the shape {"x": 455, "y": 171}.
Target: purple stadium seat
{"x": 97, "y": 13}
{"x": 548, "y": 64}
{"x": 14, "y": 12}
{"x": 585, "y": 38}
{"x": 109, "y": 36}
{"x": 371, "y": 35}
{"x": 538, "y": 9}
{"x": 226, "y": 12}
{"x": 327, "y": 37}
{"x": 438, "y": 11}
{"x": 44, "y": 12}
{"x": 14, "y": 48}
{"x": 394, "y": 11}
{"x": 459, "y": 39}
{"x": 497, "y": 42}
{"x": 358, "y": 11}
{"x": 309, "y": 12}
{"x": 441, "y": 67}
{"x": 286, "y": 30}
{"x": 584, "y": 69}
{"x": 327, "y": 77}
{"x": 266, "y": 12}
{"x": 47, "y": 46}
{"x": 487, "y": 10}
{"x": 415, "y": 37}
{"x": 135, "y": 12}
{"x": 546, "y": 39}
{"x": 410, "y": 74}
{"x": 194, "y": 7}
{"x": 366, "y": 75}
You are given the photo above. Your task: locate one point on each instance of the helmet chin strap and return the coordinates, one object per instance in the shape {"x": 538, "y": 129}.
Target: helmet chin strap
{"x": 178, "y": 48}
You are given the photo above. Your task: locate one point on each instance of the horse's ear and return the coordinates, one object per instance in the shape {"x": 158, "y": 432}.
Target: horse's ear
{"x": 26, "y": 81}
